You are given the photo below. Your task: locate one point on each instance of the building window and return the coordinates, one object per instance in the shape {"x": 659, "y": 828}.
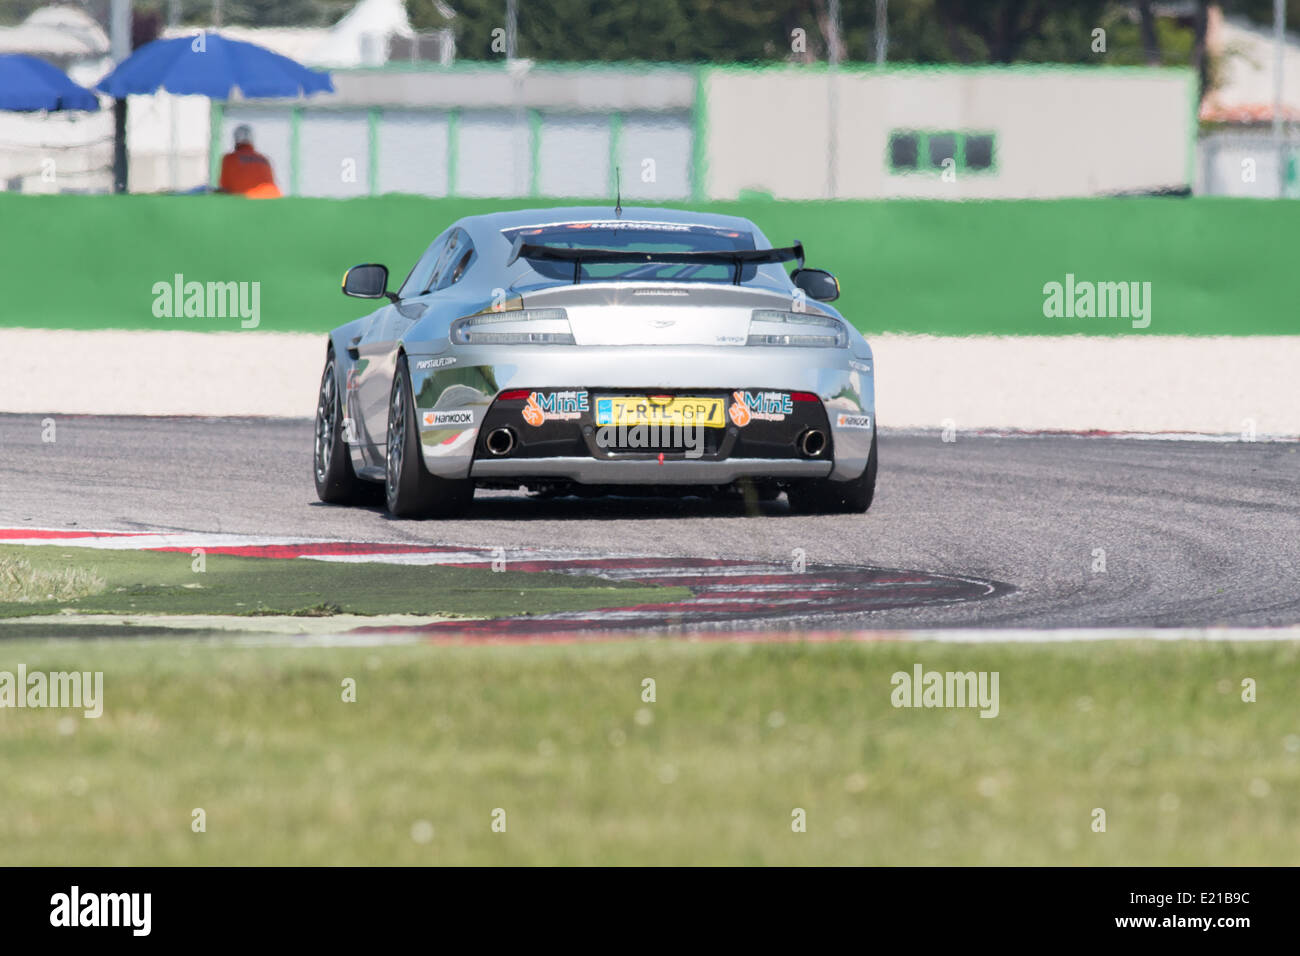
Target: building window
{"x": 979, "y": 151}
{"x": 943, "y": 146}
{"x": 913, "y": 151}
{"x": 903, "y": 151}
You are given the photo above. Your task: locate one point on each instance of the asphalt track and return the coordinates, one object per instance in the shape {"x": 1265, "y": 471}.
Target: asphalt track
{"x": 1193, "y": 534}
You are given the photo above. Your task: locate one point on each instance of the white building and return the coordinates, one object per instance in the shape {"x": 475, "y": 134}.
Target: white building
{"x": 949, "y": 132}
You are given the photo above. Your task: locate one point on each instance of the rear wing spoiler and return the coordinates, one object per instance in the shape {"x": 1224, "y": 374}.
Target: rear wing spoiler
{"x": 737, "y": 258}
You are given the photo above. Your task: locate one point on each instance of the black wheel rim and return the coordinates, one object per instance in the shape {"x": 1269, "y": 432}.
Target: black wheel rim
{"x": 396, "y": 438}
{"x": 326, "y": 416}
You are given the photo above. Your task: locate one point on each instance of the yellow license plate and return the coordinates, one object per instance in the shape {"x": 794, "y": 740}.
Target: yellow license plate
{"x": 665, "y": 410}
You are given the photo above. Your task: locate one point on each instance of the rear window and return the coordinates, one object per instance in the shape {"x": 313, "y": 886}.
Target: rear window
{"x": 639, "y": 237}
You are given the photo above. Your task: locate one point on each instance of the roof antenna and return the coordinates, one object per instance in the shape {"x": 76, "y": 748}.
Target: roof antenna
{"x": 618, "y": 194}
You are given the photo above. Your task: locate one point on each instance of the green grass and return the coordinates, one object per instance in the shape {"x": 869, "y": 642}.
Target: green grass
{"x": 151, "y": 582}
{"x": 1156, "y": 734}
{"x": 945, "y": 268}
{"x": 21, "y": 583}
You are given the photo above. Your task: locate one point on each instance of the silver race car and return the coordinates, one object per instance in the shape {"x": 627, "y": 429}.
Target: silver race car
{"x": 596, "y": 351}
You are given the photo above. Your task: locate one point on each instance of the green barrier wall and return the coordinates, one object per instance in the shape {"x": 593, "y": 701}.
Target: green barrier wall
{"x": 1215, "y": 266}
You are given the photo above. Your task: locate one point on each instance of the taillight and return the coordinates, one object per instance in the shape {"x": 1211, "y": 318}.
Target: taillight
{"x": 520, "y": 327}
{"x": 804, "y": 329}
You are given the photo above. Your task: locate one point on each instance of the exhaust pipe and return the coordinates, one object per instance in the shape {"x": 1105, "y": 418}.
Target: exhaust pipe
{"x": 812, "y": 443}
{"x": 500, "y": 441}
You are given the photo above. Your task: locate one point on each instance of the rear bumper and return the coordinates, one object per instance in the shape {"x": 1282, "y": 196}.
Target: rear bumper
{"x": 564, "y": 434}
{"x": 595, "y": 471}
{"x": 473, "y": 380}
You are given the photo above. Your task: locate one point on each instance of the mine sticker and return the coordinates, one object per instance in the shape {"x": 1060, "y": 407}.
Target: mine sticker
{"x": 554, "y": 407}
{"x": 759, "y": 406}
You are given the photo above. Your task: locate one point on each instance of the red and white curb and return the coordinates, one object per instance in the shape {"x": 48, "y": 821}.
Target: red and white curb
{"x": 725, "y": 592}
{"x": 728, "y": 597}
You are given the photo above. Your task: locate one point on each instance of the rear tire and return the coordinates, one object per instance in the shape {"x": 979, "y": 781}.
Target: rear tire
{"x": 409, "y": 490}
{"x": 336, "y": 482}
{"x": 824, "y": 496}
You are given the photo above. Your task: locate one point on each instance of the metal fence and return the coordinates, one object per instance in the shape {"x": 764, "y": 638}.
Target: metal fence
{"x": 468, "y": 152}
{"x": 1248, "y": 163}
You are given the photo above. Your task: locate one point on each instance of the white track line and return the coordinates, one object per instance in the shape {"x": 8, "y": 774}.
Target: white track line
{"x": 1081, "y": 635}
{"x": 1205, "y": 437}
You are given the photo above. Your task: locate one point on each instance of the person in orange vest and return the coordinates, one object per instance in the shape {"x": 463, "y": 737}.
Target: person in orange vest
{"x": 245, "y": 171}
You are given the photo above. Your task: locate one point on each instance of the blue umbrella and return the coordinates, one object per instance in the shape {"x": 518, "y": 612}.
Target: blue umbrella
{"x": 208, "y": 64}
{"x": 28, "y": 84}
{"x": 205, "y": 64}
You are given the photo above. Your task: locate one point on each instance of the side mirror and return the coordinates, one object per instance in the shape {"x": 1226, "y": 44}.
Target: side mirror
{"x": 367, "y": 282}
{"x": 817, "y": 283}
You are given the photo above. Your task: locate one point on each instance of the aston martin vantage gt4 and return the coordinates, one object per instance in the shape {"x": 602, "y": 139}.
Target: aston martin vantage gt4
{"x": 596, "y": 351}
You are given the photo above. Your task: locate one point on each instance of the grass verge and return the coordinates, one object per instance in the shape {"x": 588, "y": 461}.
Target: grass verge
{"x": 22, "y": 583}
{"x": 153, "y": 582}
{"x": 1154, "y": 733}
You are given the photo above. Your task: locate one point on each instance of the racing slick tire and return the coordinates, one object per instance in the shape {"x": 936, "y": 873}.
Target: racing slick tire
{"x": 409, "y": 490}
{"x": 824, "y": 496}
{"x": 336, "y": 482}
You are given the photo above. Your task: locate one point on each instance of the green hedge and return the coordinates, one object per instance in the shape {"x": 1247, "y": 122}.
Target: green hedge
{"x": 1216, "y": 266}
